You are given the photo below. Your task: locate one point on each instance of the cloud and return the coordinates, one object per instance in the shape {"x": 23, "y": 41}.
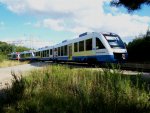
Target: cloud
{"x": 53, "y": 24}
{"x": 80, "y": 16}
{"x": 34, "y": 42}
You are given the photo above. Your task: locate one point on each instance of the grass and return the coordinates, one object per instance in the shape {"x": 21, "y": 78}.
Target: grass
{"x": 4, "y": 62}
{"x": 59, "y": 89}
{"x": 8, "y": 63}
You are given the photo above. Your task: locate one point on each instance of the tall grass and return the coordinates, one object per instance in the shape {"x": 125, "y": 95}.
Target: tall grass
{"x": 8, "y": 63}
{"x": 2, "y": 57}
{"x": 4, "y": 62}
{"x": 59, "y": 89}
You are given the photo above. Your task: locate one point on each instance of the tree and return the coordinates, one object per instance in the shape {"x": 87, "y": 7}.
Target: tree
{"x": 21, "y": 48}
{"x": 131, "y": 5}
{"x": 8, "y": 48}
{"x": 138, "y": 49}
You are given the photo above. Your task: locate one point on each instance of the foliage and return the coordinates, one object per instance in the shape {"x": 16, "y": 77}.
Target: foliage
{"x": 138, "y": 49}
{"x": 58, "y": 89}
{"x": 2, "y": 57}
{"x": 8, "y": 48}
{"x": 131, "y": 5}
{"x": 21, "y": 48}
{"x": 5, "y": 48}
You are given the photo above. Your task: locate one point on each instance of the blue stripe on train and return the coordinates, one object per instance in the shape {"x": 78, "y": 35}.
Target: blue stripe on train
{"x": 62, "y": 58}
{"x": 45, "y": 59}
{"x": 99, "y": 58}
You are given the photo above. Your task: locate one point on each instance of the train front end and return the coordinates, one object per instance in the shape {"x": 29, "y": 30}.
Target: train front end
{"x": 116, "y": 47}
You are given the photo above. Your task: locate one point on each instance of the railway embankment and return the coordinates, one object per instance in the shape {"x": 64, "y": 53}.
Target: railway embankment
{"x": 141, "y": 67}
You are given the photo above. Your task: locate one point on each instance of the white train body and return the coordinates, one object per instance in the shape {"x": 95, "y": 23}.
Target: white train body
{"x": 14, "y": 56}
{"x": 27, "y": 55}
{"x": 91, "y": 47}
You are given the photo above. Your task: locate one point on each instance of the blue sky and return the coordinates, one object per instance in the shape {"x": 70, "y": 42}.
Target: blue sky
{"x": 51, "y": 21}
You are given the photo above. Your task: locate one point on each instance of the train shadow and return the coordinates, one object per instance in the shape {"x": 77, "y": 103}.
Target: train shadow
{"x": 39, "y": 64}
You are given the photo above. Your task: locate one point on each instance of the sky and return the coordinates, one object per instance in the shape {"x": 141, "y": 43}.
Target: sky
{"x": 48, "y": 22}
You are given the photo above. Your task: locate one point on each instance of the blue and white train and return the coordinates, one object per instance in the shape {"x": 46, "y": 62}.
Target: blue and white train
{"x": 90, "y": 47}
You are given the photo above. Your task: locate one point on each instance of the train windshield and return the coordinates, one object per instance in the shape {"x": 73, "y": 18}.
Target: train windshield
{"x": 114, "y": 41}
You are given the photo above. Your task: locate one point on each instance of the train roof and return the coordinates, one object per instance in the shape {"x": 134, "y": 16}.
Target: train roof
{"x": 66, "y": 42}
{"x": 44, "y": 48}
{"x": 14, "y": 53}
{"x": 30, "y": 51}
{"x": 80, "y": 37}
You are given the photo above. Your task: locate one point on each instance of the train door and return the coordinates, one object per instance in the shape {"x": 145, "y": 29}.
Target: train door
{"x": 55, "y": 53}
{"x": 70, "y": 52}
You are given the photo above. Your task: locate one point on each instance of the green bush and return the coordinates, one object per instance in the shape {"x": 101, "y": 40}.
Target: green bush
{"x": 2, "y": 58}
{"x": 138, "y": 50}
{"x": 58, "y": 89}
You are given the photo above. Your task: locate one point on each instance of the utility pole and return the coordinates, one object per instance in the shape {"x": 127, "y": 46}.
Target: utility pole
{"x": 148, "y": 33}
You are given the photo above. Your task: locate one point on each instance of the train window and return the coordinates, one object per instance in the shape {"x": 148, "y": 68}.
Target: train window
{"x": 58, "y": 51}
{"x": 81, "y": 45}
{"x": 89, "y": 44}
{"x": 28, "y": 54}
{"x": 14, "y": 56}
{"x": 22, "y": 55}
{"x": 50, "y": 51}
{"x": 76, "y": 47}
{"x": 43, "y": 53}
{"x": 47, "y": 53}
{"x": 65, "y": 50}
{"x": 38, "y": 53}
{"x": 99, "y": 44}
{"x": 62, "y": 50}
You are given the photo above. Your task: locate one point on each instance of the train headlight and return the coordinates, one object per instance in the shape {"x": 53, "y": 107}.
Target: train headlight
{"x": 123, "y": 56}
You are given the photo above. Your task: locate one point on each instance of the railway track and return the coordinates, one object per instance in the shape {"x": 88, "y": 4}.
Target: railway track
{"x": 124, "y": 66}
{"x": 136, "y": 67}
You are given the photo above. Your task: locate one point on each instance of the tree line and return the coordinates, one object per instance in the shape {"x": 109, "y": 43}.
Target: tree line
{"x": 130, "y": 5}
{"x": 138, "y": 49}
{"x": 6, "y": 48}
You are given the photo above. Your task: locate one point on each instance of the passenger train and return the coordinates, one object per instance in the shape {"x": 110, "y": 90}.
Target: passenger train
{"x": 90, "y": 47}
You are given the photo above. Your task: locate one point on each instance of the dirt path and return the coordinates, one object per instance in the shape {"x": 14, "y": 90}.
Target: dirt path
{"x": 5, "y": 73}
